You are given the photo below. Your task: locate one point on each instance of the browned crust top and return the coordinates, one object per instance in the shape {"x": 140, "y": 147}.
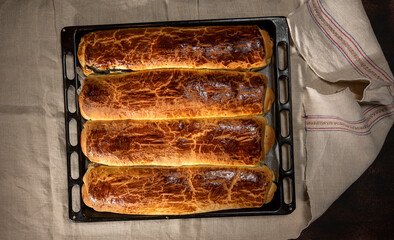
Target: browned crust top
{"x": 169, "y": 94}
{"x": 214, "y": 141}
{"x": 210, "y": 47}
{"x": 181, "y": 190}
{"x": 174, "y": 93}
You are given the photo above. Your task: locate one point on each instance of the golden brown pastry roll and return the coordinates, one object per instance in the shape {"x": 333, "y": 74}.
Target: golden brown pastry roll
{"x": 176, "y": 191}
{"x": 174, "y": 93}
{"x": 210, "y": 47}
{"x": 204, "y": 141}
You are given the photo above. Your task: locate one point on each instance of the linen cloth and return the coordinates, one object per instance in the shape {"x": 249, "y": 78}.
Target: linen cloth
{"x": 33, "y": 186}
{"x": 346, "y": 123}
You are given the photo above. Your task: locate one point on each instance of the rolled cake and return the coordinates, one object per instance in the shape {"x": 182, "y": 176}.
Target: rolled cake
{"x": 174, "y": 93}
{"x": 209, "y": 47}
{"x": 241, "y": 141}
{"x": 176, "y": 190}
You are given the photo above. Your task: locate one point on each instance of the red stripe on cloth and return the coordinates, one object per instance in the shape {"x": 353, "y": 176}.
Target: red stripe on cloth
{"x": 352, "y": 128}
{"x": 337, "y": 128}
{"x": 319, "y": 5}
{"x": 337, "y": 118}
{"x": 381, "y": 117}
{"x": 385, "y": 108}
{"x": 313, "y": 15}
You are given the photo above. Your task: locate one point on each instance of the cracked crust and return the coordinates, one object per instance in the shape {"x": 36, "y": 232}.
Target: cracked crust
{"x": 272, "y": 189}
{"x": 269, "y": 138}
{"x": 240, "y": 141}
{"x": 176, "y": 191}
{"x": 210, "y": 47}
{"x": 268, "y": 44}
{"x": 269, "y": 99}
{"x": 174, "y": 93}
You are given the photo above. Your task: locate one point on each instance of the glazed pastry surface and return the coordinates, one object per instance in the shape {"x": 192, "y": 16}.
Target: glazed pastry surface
{"x": 209, "y": 47}
{"x": 241, "y": 141}
{"x": 174, "y": 93}
{"x": 176, "y": 191}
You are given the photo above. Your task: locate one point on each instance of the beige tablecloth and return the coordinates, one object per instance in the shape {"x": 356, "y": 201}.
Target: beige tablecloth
{"x": 33, "y": 184}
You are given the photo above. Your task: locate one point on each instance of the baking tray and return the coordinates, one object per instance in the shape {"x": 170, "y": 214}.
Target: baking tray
{"x": 279, "y": 80}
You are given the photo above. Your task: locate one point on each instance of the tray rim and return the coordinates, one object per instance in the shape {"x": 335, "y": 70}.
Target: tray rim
{"x": 69, "y": 45}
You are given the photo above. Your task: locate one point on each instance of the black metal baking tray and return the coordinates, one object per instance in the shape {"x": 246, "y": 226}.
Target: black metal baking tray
{"x": 278, "y": 30}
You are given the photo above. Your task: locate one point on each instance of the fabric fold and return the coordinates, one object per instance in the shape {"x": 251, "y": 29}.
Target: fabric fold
{"x": 343, "y": 135}
{"x": 342, "y": 140}
{"x": 338, "y": 43}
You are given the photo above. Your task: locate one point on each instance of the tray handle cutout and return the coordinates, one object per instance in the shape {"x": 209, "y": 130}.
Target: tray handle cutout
{"x": 72, "y": 128}
{"x": 71, "y": 105}
{"x": 286, "y": 163}
{"x": 284, "y": 89}
{"x": 70, "y": 69}
{"x": 76, "y": 199}
{"x": 74, "y": 165}
{"x": 282, "y": 55}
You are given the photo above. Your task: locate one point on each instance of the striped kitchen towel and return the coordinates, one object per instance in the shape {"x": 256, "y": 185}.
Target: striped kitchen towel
{"x": 344, "y": 133}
